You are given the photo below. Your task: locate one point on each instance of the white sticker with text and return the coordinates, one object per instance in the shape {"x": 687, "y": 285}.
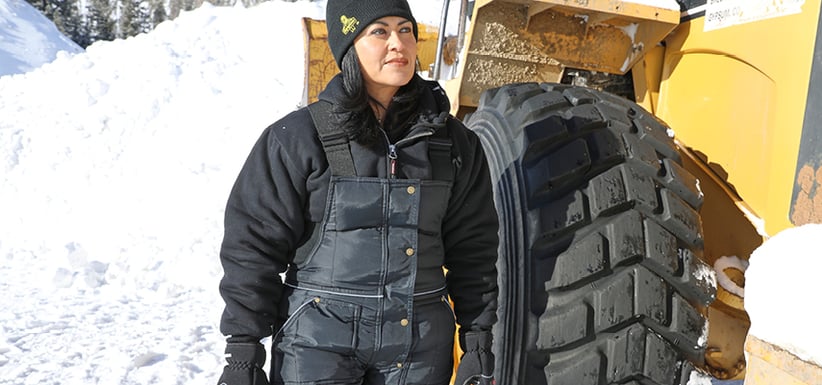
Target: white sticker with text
{"x": 725, "y": 13}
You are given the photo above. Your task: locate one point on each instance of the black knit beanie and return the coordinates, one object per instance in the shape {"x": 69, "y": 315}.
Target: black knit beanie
{"x": 345, "y": 19}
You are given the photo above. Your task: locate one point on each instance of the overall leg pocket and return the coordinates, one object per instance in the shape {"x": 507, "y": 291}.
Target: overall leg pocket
{"x": 316, "y": 344}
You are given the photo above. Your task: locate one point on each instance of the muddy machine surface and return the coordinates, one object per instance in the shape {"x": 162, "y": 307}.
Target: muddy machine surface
{"x": 634, "y": 144}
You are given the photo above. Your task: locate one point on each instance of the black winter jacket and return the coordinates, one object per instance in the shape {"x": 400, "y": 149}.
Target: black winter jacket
{"x": 280, "y": 195}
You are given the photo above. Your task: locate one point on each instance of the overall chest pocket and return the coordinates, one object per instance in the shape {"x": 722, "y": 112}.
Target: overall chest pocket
{"x": 362, "y": 214}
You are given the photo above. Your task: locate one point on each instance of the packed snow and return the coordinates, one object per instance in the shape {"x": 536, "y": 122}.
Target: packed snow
{"x": 116, "y": 164}
{"x": 722, "y": 278}
{"x": 782, "y": 285}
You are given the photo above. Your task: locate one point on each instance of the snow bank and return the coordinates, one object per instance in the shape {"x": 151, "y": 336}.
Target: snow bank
{"x": 781, "y": 288}
{"x": 115, "y": 167}
{"x": 115, "y": 164}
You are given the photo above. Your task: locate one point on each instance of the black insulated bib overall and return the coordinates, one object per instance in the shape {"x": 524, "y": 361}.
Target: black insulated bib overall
{"x": 367, "y": 304}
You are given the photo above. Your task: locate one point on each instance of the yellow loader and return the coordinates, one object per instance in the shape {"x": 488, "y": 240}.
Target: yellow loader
{"x": 633, "y": 144}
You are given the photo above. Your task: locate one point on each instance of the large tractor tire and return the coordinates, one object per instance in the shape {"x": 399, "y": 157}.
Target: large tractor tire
{"x": 601, "y": 280}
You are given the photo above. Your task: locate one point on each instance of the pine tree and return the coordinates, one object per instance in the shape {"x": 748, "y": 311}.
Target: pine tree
{"x": 141, "y": 22}
{"x": 174, "y": 8}
{"x": 158, "y": 13}
{"x": 70, "y": 23}
{"x": 82, "y": 36}
{"x": 56, "y": 15}
{"x": 189, "y": 5}
{"x": 127, "y": 14}
{"x": 100, "y": 24}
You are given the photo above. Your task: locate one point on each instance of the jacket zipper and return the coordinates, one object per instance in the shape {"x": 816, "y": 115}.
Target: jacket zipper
{"x": 392, "y": 149}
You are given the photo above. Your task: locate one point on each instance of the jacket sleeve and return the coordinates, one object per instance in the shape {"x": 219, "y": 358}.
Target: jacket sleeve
{"x": 264, "y": 222}
{"x": 470, "y": 236}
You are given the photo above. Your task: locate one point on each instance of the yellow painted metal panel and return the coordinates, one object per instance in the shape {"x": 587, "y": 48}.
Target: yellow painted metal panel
{"x": 725, "y": 355}
{"x": 646, "y": 74}
{"x": 738, "y": 96}
{"x": 320, "y": 64}
{"x": 726, "y": 231}
{"x": 733, "y": 130}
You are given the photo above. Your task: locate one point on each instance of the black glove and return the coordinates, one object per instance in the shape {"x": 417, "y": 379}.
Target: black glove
{"x": 477, "y": 364}
{"x": 245, "y": 364}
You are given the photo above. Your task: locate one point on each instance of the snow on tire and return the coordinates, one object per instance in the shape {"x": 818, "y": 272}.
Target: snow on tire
{"x": 600, "y": 276}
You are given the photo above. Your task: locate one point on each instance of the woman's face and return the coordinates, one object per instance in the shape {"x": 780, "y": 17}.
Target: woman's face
{"x": 387, "y": 51}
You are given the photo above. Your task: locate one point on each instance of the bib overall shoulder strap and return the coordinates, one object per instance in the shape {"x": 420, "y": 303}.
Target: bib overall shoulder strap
{"x": 335, "y": 141}
{"x": 439, "y": 154}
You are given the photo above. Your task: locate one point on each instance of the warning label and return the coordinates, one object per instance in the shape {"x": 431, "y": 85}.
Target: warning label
{"x": 725, "y": 13}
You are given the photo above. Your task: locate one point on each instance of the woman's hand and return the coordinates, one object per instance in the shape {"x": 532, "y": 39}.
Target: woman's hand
{"x": 245, "y": 363}
{"x": 477, "y": 364}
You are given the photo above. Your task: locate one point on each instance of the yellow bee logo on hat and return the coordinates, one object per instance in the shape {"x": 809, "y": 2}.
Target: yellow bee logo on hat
{"x": 349, "y": 24}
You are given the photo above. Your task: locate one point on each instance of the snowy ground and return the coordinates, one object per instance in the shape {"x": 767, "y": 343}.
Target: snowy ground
{"x": 116, "y": 164}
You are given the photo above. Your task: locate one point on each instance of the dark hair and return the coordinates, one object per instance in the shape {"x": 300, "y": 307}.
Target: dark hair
{"x": 353, "y": 111}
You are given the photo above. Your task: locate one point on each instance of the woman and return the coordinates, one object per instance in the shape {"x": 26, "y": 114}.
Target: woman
{"x": 362, "y": 199}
